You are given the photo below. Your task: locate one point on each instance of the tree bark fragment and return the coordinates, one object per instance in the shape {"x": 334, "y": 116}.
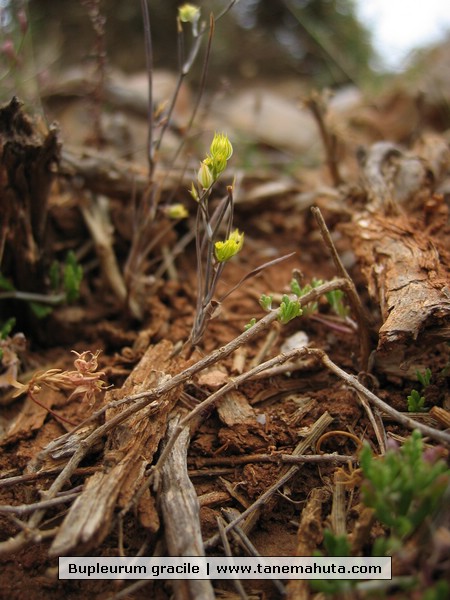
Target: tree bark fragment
{"x": 404, "y": 256}
{"x": 180, "y": 511}
{"x": 129, "y": 449}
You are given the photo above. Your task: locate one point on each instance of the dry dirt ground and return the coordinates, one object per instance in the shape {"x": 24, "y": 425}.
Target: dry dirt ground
{"x": 388, "y": 218}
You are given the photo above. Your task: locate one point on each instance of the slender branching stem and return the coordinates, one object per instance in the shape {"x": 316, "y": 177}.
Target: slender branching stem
{"x": 149, "y": 61}
{"x": 352, "y": 294}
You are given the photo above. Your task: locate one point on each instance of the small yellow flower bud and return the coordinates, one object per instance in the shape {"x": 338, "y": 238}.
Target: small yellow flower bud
{"x": 193, "y": 192}
{"x": 188, "y": 13}
{"x": 177, "y": 211}
{"x": 204, "y": 176}
{"x": 227, "y": 249}
{"x": 221, "y": 146}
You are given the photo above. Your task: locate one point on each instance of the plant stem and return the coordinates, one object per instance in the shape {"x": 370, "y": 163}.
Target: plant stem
{"x": 149, "y": 61}
{"x": 353, "y": 298}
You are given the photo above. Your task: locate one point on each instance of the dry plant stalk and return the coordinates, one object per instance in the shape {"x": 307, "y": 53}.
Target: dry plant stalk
{"x": 317, "y": 104}
{"x": 352, "y": 294}
{"x": 146, "y": 227}
{"x": 309, "y": 538}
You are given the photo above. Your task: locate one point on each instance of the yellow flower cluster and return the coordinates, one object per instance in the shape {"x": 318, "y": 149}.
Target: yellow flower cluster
{"x": 177, "y": 211}
{"x": 227, "y": 249}
{"x": 188, "y": 13}
{"x": 215, "y": 163}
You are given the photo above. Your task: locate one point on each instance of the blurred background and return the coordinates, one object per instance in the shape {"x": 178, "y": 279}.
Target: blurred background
{"x": 322, "y": 39}
{"x": 329, "y": 42}
{"x": 50, "y": 51}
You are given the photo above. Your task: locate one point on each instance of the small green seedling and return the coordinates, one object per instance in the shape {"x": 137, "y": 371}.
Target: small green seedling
{"x": 266, "y": 302}
{"x": 424, "y": 378}
{"x": 403, "y": 487}
{"x": 6, "y": 328}
{"x": 72, "y": 276}
{"x": 250, "y": 324}
{"x": 67, "y": 276}
{"x": 335, "y": 546}
{"x": 335, "y": 298}
{"x": 416, "y": 402}
{"x": 289, "y": 309}
{"x": 336, "y": 301}
{"x": 300, "y": 291}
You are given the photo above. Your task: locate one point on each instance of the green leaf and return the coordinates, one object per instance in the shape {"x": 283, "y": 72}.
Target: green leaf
{"x": 72, "y": 276}
{"x": 6, "y": 329}
{"x": 266, "y": 302}
{"x": 336, "y": 545}
{"x": 289, "y": 309}
{"x": 336, "y": 301}
{"x": 404, "y": 486}
{"x": 250, "y": 324}
{"x": 295, "y": 287}
{"x": 5, "y": 284}
{"x": 40, "y": 310}
{"x": 424, "y": 378}
{"x": 416, "y": 402}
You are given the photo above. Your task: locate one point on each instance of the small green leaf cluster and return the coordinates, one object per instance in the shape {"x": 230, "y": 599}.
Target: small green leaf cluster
{"x": 403, "y": 487}
{"x": 424, "y": 378}
{"x": 289, "y": 309}
{"x": 6, "y": 328}
{"x": 266, "y": 302}
{"x": 334, "y": 545}
{"x": 250, "y": 324}
{"x": 300, "y": 291}
{"x": 67, "y": 276}
{"x": 335, "y": 298}
{"x": 336, "y": 301}
{"x": 416, "y": 401}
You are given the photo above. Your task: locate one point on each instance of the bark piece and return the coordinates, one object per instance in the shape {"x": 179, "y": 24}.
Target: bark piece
{"x": 31, "y": 417}
{"x": 409, "y": 277}
{"x": 234, "y": 408}
{"x": 129, "y": 449}
{"x": 180, "y": 510}
{"x": 27, "y": 164}
{"x": 403, "y": 257}
{"x": 392, "y": 177}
